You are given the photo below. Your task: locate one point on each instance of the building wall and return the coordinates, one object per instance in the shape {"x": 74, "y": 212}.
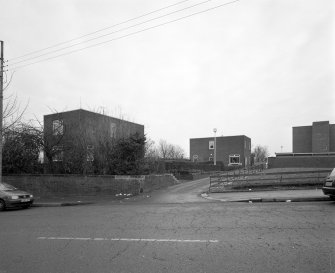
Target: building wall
{"x": 225, "y": 146}
{"x": 89, "y": 124}
{"x": 86, "y": 128}
{"x": 302, "y": 139}
{"x": 320, "y": 137}
{"x": 301, "y": 162}
{"x": 332, "y": 137}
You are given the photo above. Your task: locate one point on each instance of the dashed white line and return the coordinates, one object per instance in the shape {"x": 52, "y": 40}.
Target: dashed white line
{"x": 129, "y": 239}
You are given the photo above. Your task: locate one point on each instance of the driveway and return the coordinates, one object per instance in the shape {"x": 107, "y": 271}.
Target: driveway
{"x": 186, "y": 192}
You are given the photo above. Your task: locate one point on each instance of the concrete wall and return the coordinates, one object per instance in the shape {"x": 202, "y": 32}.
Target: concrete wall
{"x": 46, "y": 185}
{"x": 302, "y": 161}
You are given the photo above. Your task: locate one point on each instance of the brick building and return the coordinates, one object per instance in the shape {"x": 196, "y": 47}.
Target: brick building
{"x": 230, "y": 150}
{"x": 318, "y": 138}
{"x": 81, "y": 127}
{"x": 312, "y": 146}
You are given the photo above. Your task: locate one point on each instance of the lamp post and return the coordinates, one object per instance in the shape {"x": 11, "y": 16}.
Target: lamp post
{"x": 214, "y": 130}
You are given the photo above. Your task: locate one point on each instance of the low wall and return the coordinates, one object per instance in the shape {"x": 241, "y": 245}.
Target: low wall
{"x": 46, "y": 185}
{"x": 301, "y": 162}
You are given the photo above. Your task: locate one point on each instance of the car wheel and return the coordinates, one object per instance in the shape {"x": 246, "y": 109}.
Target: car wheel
{"x": 2, "y": 205}
{"x": 332, "y": 197}
{"x": 26, "y": 206}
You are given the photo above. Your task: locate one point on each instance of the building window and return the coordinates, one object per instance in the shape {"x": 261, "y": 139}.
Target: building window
{"x": 90, "y": 153}
{"x": 195, "y": 158}
{"x": 57, "y": 127}
{"x": 234, "y": 160}
{"x": 58, "y": 153}
{"x": 211, "y": 144}
{"x": 113, "y": 129}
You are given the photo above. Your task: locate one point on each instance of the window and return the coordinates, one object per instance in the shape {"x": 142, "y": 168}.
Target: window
{"x": 58, "y": 153}
{"x": 211, "y": 144}
{"x": 90, "y": 153}
{"x": 234, "y": 160}
{"x": 113, "y": 129}
{"x": 57, "y": 127}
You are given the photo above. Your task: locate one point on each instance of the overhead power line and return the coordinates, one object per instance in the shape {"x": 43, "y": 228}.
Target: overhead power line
{"x": 124, "y": 36}
{"x": 99, "y": 30}
{"x": 111, "y": 33}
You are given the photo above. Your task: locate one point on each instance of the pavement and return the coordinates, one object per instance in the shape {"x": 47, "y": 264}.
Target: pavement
{"x": 297, "y": 195}
{"x": 75, "y": 200}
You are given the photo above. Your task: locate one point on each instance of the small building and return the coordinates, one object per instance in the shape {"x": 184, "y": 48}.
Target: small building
{"x": 230, "y": 150}
{"x": 85, "y": 128}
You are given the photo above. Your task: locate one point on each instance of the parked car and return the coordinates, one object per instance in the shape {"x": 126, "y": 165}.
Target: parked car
{"x": 11, "y": 197}
{"x": 329, "y": 185}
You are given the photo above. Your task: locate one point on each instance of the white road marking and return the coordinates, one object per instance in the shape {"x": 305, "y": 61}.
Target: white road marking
{"x": 129, "y": 239}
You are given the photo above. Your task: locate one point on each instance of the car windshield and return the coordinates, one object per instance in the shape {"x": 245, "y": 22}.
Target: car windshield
{"x": 6, "y": 187}
{"x": 332, "y": 173}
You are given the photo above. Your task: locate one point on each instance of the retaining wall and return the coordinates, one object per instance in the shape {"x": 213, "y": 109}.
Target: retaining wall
{"x": 46, "y": 185}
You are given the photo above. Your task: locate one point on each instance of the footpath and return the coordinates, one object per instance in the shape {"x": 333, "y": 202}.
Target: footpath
{"x": 296, "y": 195}
{"x": 76, "y": 200}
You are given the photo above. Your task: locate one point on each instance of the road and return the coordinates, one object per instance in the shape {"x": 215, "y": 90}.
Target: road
{"x": 171, "y": 231}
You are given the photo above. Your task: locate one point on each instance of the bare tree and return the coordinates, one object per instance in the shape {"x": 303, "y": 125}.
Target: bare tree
{"x": 12, "y": 112}
{"x": 261, "y": 153}
{"x": 169, "y": 151}
{"x": 151, "y": 150}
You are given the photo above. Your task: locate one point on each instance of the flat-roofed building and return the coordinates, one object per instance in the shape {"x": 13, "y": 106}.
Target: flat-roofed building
{"x": 230, "y": 150}
{"x": 64, "y": 130}
{"x": 318, "y": 138}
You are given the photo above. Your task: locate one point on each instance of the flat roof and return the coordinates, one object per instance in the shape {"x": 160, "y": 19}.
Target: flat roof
{"x": 91, "y": 112}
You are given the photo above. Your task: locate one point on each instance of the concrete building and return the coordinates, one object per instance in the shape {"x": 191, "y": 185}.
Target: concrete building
{"x": 81, "y": 127}
{"x": 231, "y": 150}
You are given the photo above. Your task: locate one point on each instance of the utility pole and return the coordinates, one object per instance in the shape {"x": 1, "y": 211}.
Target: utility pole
{"x": 1, "y": 103}
{"x": 214, "y": 130}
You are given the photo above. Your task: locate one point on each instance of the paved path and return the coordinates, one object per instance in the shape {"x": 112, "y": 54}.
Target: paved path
{"x": 270, "y": 196}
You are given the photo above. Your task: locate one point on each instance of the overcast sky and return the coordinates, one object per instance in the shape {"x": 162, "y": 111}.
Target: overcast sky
{"x": 251, "y": 67}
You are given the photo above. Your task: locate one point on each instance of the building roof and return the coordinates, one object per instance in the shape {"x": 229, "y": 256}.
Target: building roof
{"x": 91, "y": 112}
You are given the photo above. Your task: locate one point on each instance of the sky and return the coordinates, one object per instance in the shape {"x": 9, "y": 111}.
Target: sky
{"x": 247, "y": 67}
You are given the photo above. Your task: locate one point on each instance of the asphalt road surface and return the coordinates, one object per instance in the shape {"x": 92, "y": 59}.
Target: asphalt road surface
{"x": 171, "y": 231}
